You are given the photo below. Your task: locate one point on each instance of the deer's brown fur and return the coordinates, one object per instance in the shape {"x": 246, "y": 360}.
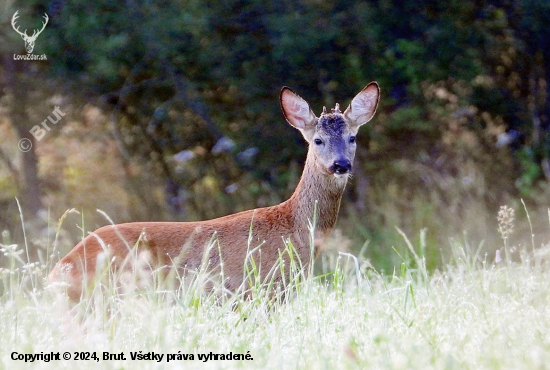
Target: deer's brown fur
{"x": 184, "y": 243}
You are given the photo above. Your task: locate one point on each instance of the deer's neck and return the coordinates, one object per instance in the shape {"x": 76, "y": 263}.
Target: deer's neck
{"x": 317, "y": 193}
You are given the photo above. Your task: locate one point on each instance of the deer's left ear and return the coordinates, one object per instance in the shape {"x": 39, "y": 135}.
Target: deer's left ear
{"x": 363, "y": 106}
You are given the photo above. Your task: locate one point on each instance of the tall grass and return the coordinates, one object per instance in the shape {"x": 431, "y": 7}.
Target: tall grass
{"x": 474, "y": 313}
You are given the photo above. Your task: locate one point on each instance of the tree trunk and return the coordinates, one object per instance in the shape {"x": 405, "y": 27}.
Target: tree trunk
{"x": 31, "y": 197}
{"x": 30, "y": 188}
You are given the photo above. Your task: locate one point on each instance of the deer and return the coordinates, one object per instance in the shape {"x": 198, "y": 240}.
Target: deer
{"x": 29, "y": 40}
{"x": 331, "y": 139}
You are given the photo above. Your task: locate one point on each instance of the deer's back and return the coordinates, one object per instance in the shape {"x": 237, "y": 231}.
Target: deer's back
{"x": 185, "y": 245}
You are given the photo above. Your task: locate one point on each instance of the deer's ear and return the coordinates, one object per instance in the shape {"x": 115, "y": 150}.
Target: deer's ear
{"x": 363, "y": 106}
{"x": 297, "y": 111}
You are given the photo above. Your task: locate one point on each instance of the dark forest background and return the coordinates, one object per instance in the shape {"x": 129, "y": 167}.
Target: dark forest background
{"x": 172, "y": 113}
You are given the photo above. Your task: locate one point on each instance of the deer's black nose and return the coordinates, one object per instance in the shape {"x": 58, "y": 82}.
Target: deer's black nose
{"x": 341, "y": 166}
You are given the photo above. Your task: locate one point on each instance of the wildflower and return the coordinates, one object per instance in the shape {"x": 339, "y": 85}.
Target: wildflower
{"x": 505, "y": 219}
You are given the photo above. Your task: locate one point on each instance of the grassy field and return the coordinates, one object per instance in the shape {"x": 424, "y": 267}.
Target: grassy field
{"x": 474, "y": 313}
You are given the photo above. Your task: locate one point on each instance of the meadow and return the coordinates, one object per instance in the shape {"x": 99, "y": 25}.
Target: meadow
{"x": 170, "y": 111}
{"x": 477, "y": 311}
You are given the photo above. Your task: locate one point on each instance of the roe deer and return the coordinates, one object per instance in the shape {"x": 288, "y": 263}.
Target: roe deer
{"x": 332, "y": 144}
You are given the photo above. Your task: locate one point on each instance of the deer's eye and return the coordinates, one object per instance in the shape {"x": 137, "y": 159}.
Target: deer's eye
{"x": 318, "y": 141}
{"x": 352, "y": 139}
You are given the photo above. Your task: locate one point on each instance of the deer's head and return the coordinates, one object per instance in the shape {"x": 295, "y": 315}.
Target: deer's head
{"x": 29, "y": 40}
{"x": 331, "y": 136}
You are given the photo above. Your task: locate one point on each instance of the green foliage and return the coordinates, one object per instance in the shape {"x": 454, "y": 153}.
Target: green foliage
{"x": 177, "y": 76}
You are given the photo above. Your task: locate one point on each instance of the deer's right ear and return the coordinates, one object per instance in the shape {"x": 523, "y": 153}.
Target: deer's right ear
{"x": 297, "y": 111}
